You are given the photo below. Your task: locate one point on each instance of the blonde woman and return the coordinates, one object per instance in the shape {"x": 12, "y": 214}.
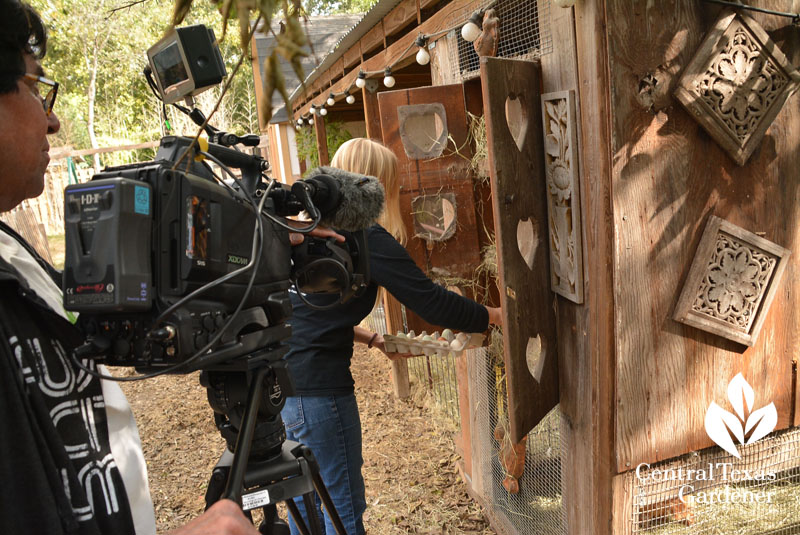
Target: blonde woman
{"x": 323, "y": 414}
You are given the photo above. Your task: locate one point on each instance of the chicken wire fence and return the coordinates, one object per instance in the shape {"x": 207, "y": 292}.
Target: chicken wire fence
{"x": 537, "y": 507}
{"x": 434, "y": 375}
{"x": 712, "y": 492}
{"x": 524, "y": 32}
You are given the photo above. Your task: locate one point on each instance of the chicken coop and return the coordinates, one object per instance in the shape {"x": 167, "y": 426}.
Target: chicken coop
{"x": 632, "y": 166}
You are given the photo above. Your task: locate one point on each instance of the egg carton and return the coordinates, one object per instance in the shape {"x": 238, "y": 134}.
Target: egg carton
{"x": 432, "y": 344}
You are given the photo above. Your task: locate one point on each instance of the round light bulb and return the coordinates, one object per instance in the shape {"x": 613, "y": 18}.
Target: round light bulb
{"x": 423, "y": 58}
{"x": 330, "y": 101}
{"x": 470, "y": 31}
{"x": 388, "y": 79}
{"x": 361, "y": 81}
{"x": 323, "y": 112}
{"x": 313, "y": 110}
{"x": 350, "y": 99}
{"x": 310, "y": 120}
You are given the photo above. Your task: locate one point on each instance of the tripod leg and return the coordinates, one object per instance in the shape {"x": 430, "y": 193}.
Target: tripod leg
{"x": 272, "y": 524}
{"x": 330, "y": 508}
{"x": 297, "y": 517}
{"x": 233, "y": 490}
{"x": 311, "y": 513}
{"x": 322, "y": 490}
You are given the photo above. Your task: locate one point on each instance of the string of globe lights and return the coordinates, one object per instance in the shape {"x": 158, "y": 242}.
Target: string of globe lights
{"x": 469, "y": 32}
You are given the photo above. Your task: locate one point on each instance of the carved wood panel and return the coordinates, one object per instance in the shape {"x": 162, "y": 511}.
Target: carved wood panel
{"x": 563, "y": 197}
{"x": 731, "y": 283}
{"x": 516, "y": 166}
{"x": 737, "y": 83}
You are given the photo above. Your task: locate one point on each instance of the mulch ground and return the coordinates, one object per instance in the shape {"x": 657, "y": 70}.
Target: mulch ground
{"x": 412, "y": 481}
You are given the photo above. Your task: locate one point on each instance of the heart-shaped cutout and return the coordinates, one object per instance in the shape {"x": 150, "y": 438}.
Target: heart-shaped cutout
{"x": 527, "y": 241}
{"x": 423, "y": 130}
{"x": 535, "y": 357}
{"x": 517, "y": 119}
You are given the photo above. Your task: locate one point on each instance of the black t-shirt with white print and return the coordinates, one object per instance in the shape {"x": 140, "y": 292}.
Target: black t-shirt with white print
{"x": 57, "y": 471}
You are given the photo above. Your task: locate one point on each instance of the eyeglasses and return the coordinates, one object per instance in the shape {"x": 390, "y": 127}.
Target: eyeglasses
{"x": 47, "y": 87}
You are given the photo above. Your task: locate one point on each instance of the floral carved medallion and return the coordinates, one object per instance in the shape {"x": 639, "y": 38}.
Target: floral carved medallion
{"x": 563, "y": 198}
{"x": 735, "y": 281}
{"x": 736, "y": 84}
{"x": 731, "y": 282}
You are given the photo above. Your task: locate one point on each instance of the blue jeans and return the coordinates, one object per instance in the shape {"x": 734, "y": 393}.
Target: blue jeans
{"x": 331, "y": 427}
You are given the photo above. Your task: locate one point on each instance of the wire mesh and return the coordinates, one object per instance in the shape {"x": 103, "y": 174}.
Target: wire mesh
{"x": 376, "y": 321}
{"x": 434, "y": 375}
{"x": 537, "y": 507}
{"x": 713, "y": 492}
{"x": 524, "y": 34}
{"x": 437, "y": 376}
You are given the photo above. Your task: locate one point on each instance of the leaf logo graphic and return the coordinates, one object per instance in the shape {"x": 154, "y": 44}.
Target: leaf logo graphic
{"x": 723, "y": 426}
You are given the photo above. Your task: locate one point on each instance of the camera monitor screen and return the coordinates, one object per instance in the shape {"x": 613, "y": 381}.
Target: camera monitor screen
{"x": 169, "y": 68}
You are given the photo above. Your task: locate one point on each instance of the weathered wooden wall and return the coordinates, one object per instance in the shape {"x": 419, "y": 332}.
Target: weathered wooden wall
{"x": 668, "y": 176}
{"x": 579, "y": 61}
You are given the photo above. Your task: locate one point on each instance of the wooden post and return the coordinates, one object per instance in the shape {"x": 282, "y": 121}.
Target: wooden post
{"x": 258, "y": 83}
{"x": 394, "y": 314}
{"x": 322, "y": 140}
{"x": 464, "y": 442}
{"x": 587, "y": 373}
{"x": 394, "y": 323}
{"x": 372, "y": 115}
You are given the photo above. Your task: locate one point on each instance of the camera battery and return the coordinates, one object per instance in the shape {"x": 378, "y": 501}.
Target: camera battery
{"x": 108, "y": 226}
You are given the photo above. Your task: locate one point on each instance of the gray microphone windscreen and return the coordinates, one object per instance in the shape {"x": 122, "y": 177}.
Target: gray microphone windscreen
{"x": 361, "y": 199}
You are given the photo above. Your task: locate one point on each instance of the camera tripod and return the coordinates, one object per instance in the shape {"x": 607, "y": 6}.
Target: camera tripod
{"x": 260, "y": 467}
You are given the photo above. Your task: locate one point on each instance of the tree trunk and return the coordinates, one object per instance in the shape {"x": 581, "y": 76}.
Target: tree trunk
{"x": 91, "y": 64}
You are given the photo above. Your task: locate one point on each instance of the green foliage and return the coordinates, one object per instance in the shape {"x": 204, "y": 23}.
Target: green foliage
{"x": 307, "y": 142}
{"x": 324, "y": 7}
{"x": 88, "y": 35}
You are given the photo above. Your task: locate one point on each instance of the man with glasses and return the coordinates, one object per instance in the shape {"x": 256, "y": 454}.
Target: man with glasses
{"x": 70, "y": 456}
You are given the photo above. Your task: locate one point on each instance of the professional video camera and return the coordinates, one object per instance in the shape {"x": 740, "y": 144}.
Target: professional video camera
{"x": 175, "y": 269}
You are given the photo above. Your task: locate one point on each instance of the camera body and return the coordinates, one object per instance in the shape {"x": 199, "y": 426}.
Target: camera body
{"x": 140, "y": 237}
{"x": 155, "y": 250}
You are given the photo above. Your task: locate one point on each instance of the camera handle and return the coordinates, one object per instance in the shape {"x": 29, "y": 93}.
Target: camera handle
{"x": 295, "y": 472}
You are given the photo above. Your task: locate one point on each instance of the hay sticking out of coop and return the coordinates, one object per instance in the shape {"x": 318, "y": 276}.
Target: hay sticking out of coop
{"x": 479, "y": 164}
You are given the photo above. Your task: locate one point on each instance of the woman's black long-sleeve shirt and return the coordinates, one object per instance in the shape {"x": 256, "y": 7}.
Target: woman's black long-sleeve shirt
{"x": 321, "y": 345}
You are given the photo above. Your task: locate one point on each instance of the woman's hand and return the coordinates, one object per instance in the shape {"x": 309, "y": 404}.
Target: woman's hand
{"x": 495, "y": 315}
{"x": 296, "y": 238}
{"x": 371, "y": 339}
{"x": 380, "y": 344}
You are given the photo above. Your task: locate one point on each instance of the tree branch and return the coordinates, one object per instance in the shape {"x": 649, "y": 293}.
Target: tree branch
{"x": 126, "y": 6}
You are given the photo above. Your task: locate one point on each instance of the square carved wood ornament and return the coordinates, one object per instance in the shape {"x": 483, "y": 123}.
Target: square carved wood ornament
{"x": 731, "y": 283}
{"x": 736, "y": 84}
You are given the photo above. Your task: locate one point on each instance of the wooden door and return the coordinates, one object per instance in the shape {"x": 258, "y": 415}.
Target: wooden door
{"x": 427, "y": 129}
{"x": 511, "y": 101}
